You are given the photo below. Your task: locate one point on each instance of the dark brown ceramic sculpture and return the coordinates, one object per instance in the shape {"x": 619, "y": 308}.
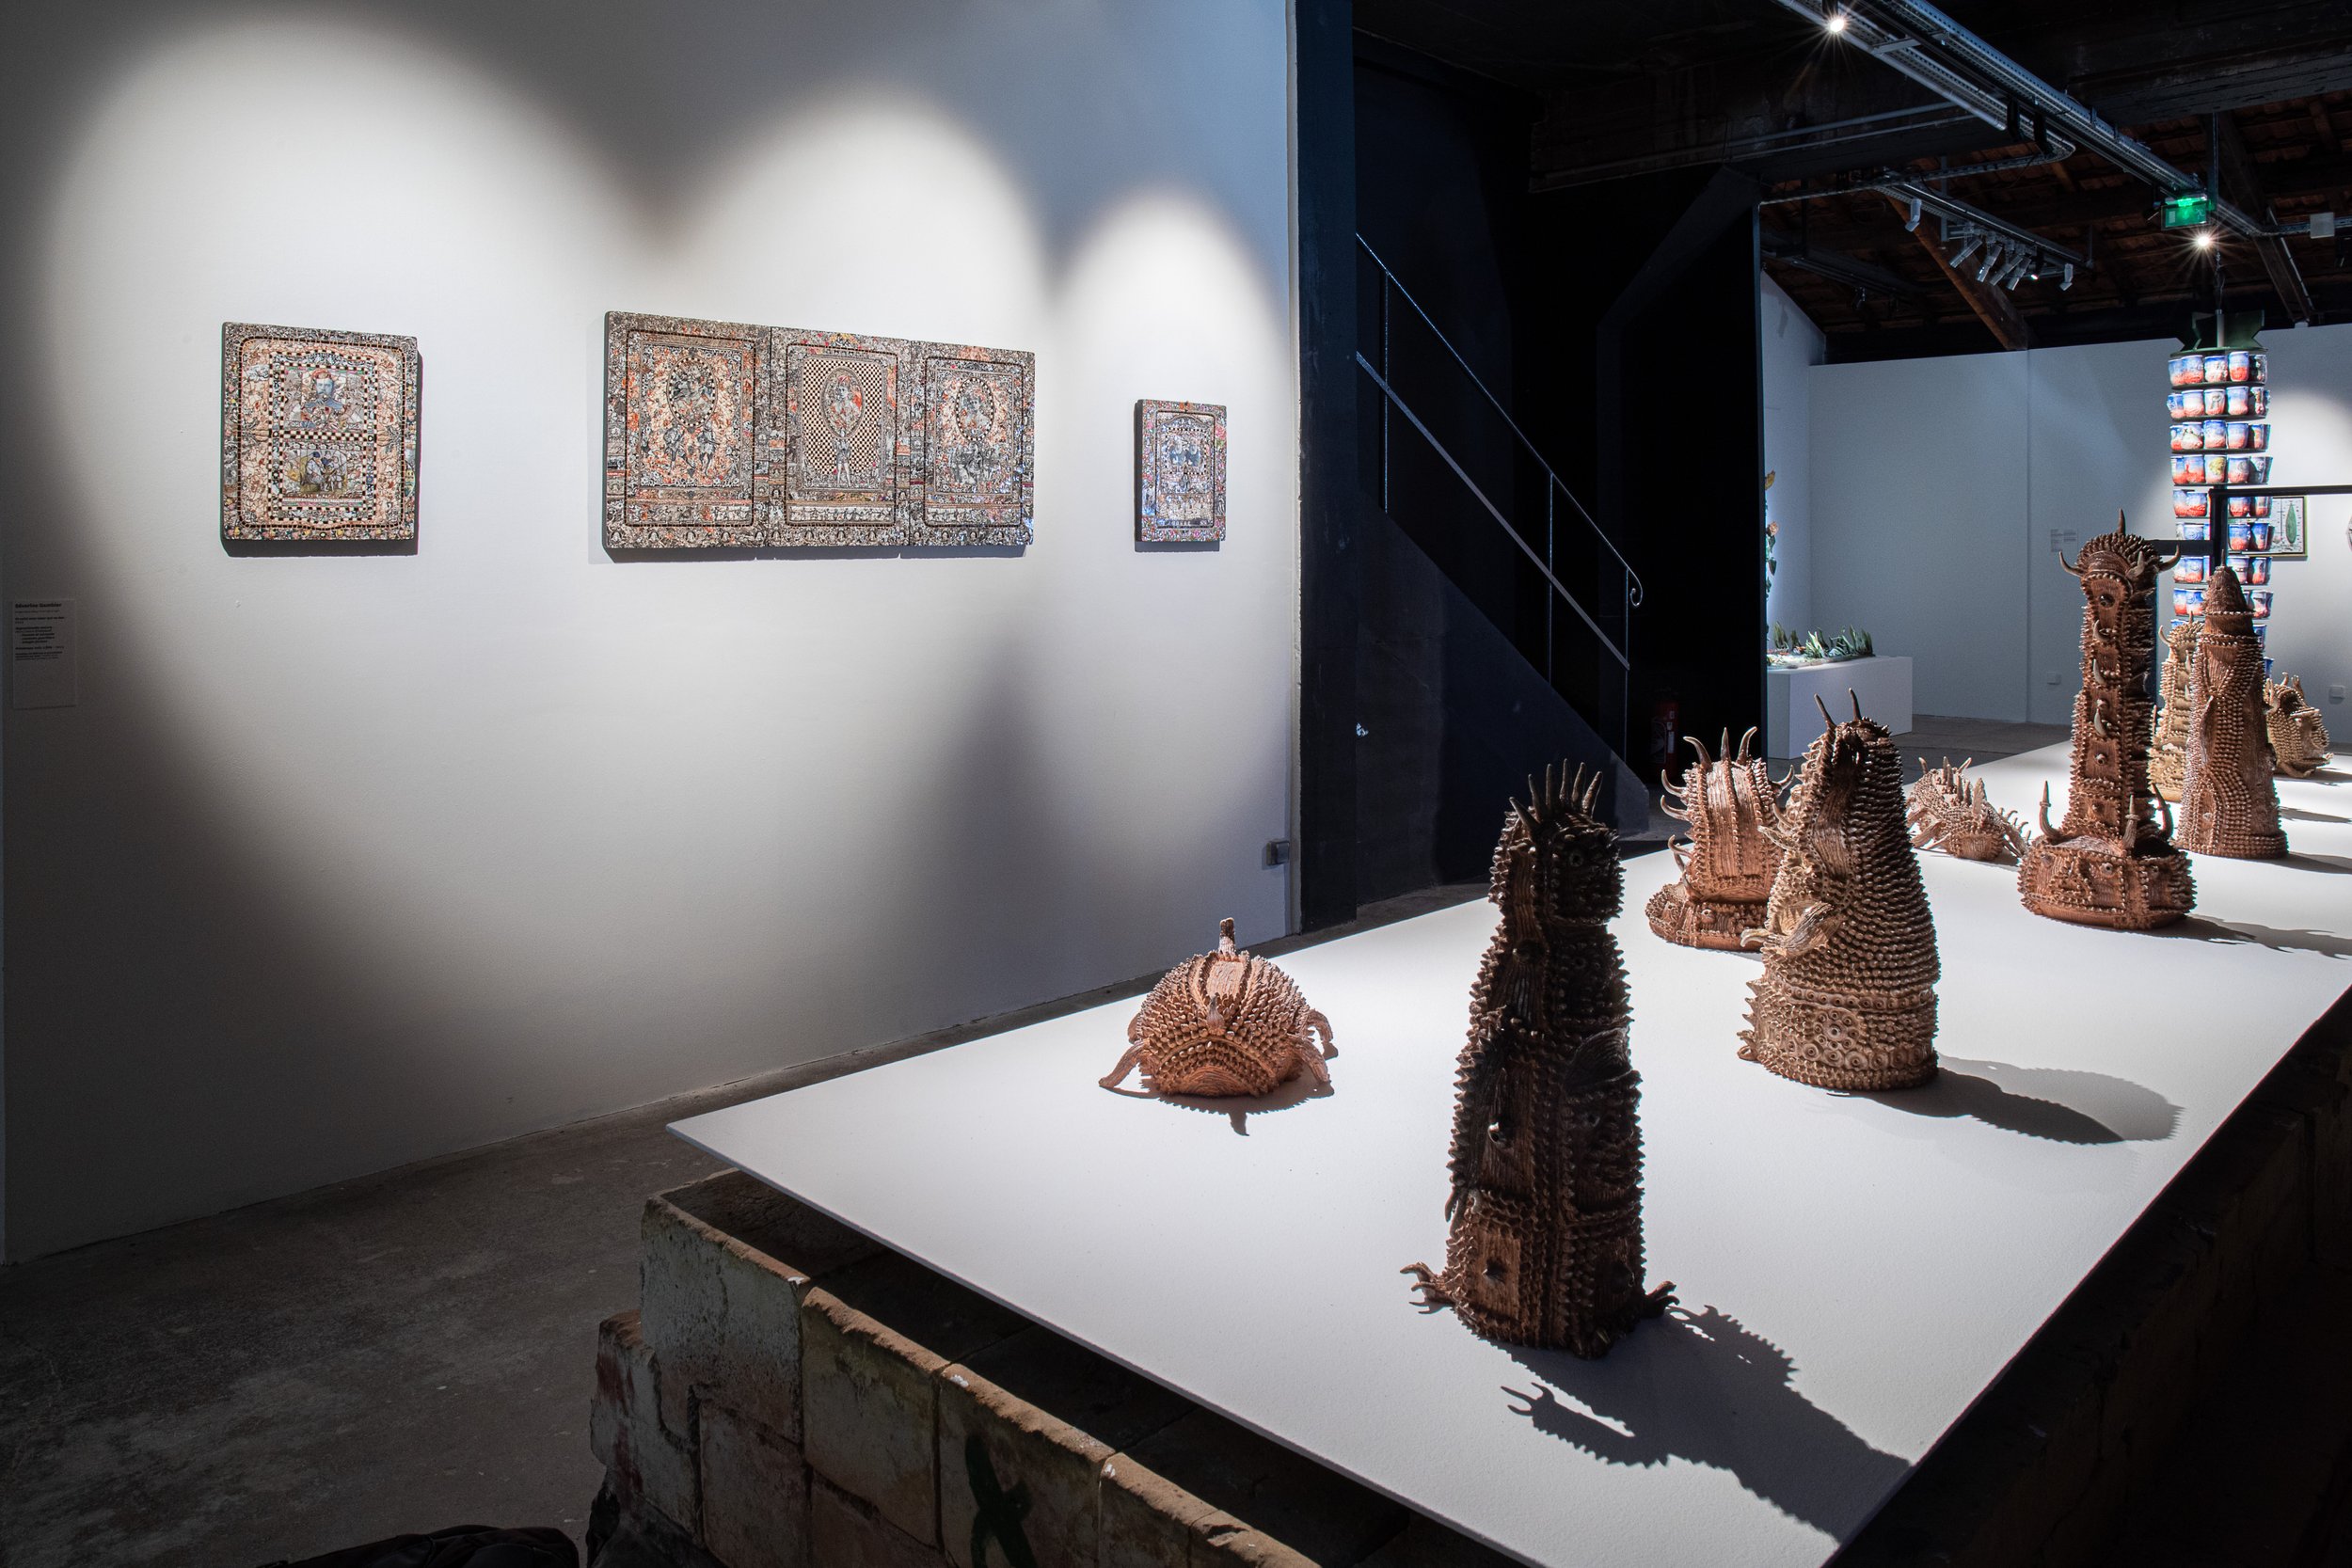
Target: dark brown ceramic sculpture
{"x": 2111, "y": 863}
{"x": 1950, "y": 811}
{"x": 2167, "y": 755}
{"x": 1728, "y": 863}
{"x": 1846, "y": 999}
{"x": 2229, "y": 806}
{"x": 1545, "y": 1247}
{"x": 2299, "y": 745}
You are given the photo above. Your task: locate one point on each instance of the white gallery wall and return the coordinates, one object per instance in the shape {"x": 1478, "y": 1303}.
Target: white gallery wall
{"x": 1790, "y": 346}
{"x": 342, "y": 862}
{"x": 1944, "y": 489}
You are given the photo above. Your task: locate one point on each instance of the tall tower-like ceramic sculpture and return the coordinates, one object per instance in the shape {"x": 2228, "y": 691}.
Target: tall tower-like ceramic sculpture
{"x": 2167, "y": 758}
{"x": 2111, "y": 863}
{"x": 2229, "y": 806}
{"x": 1545, "y": 1247}
{"x": 1846, "y": 999}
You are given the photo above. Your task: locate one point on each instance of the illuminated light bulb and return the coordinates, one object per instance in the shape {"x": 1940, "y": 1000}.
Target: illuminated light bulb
{"x": 1834, "y": 22}
{"x": 2204, "y": 239}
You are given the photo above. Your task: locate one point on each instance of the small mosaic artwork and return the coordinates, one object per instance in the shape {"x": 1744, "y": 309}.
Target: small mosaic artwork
{"x": 719, "y": 435}
{"x": 1180, "y": 472}
{"x": 838, "y": 438}
{"x": 977, "y": 453}
{"x": 681, "y": 454}
{"x": 318, "y": 434}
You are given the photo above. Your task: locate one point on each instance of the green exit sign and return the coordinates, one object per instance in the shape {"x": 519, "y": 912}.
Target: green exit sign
{"x": 2187, "y": 211}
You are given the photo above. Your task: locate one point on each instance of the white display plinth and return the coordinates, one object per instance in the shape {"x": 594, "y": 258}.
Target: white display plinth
{"x": 1792, "y": 721}
{"x": 1855, "y": 1270}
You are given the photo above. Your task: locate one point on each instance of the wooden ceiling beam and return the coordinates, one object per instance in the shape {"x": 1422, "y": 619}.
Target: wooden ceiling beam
{"x": 1991, "y": 304}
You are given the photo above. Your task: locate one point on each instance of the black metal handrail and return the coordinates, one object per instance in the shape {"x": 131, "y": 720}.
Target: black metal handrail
{"x": 1546, "y": 562}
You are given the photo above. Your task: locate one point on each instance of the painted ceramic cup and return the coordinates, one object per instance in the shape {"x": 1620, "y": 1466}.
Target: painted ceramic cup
{"x": 2239, "y": 436}
{"x": 2259, "y": 600}
{"x": 2237, "y": 470}
{"x": 2241, "y": 506}
{"x": 2241, "y": 535}
{"x": 2186, "y": 369}
{"x": 2241, "y": 365}
{"x": 2199, "y": 531}
{"x": 2260, "y": 535}
{"x": 2189, "y": 569}
{"x": 2258, "y": 470}
{"x": 2188, "y": 438}
{"x": 2258, "y": 571}
{"x": 2261, "y": 366}
{"x": 2258, "y": 400}
{"x": 2217, "y": 370}
{"x": 2187, "y": 602}
{"x": 2261, "y": 505}
{"x": 2217, "y": 435}
{"x": 2244, "y": 567}
{"x": 2262, "y": 639}
{"x": 2191, "y": 503}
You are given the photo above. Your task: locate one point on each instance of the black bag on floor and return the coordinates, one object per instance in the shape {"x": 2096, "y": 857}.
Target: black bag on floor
{"x": 459, "y": 1546}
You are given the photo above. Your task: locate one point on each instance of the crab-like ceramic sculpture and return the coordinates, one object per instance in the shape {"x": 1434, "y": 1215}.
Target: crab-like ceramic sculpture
{"x": 1729, "y": 864}
{"x": 2298, "y": 735}
{"x": 1948, "y": 811}
{"x": 1225, "y": 1023}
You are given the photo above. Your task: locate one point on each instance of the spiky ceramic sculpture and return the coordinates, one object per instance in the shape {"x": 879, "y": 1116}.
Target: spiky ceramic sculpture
{"x": 2299, "y": 745}
{"x": 1225, "y": 1023}
{"x": 2111, "y": 863}
{"x": 1727, "y": 865}
{"x": 2228, "y": 806}
{"x": 1846, "y": 999}
{"x": 2168, "y": 757}
{"x": 1950, "y": 811}
{"x": 1545, "y": 1247}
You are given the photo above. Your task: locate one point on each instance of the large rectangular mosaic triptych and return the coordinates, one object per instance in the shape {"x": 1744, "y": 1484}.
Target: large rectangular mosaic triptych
{"x": 722, "y": 435}
{"x": 318, "y": 436}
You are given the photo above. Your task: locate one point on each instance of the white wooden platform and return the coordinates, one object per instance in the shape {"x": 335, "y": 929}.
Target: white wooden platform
{"x": 1854, "y": 1270}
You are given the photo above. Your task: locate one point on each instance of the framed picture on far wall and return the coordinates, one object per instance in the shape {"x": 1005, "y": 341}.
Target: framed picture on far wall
{"x": 2288, "y": 513}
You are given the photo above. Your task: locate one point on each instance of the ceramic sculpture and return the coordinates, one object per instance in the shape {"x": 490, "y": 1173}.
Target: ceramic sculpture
{"x": 1545, "y": 1245}
{"x": 1225, "y": 1023}
{"x": 1727, "y": 865}
{"x": 2167, "y": 757}
{"x": 2298, "y": 735}
{"x": 2229, "y": 806}
{"x": 2111, "y": 863}
{"x": 1950, "y": 811}
{"x": 1846, "y": 999}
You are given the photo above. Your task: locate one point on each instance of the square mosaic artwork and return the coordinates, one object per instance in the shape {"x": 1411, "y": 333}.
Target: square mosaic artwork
{"x": 842, "y": 439}
{"x": 977, "y": 445}
{"x": 682, "y": 458}
{"x": 318, "y": 434}
{"x": 1180, "y": 472}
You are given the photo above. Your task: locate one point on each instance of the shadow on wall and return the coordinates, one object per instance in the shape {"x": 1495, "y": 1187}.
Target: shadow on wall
{"x": 344, "y": 863}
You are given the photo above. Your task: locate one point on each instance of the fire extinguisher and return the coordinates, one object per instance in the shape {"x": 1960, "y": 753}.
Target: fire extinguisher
{"x": 1665, "y": 725}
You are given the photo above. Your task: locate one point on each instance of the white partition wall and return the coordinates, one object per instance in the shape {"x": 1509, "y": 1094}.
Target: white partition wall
{"x": 1943, "y": 490}
{"x": 341, "y": 861}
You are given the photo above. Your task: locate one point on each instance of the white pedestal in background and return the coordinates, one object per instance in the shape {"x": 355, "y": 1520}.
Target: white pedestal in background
{"x": 1791, "y": 720}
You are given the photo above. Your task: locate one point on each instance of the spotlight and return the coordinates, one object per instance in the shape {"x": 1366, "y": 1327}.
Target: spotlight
{"x": 2066, "y": 278}
{"x": 1910, "y": 221}
{"x": 2203, "y": 240}
{"x": 1992, "y": 255}
{"x": 1835, "y": 23}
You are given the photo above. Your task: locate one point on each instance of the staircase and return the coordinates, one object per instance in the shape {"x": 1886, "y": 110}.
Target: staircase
{"x": 1497, "y": 613}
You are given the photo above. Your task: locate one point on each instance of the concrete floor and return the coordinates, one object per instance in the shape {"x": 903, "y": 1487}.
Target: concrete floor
{"x": 405, "y": 1351}
{"x": 415, "y": 1350}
